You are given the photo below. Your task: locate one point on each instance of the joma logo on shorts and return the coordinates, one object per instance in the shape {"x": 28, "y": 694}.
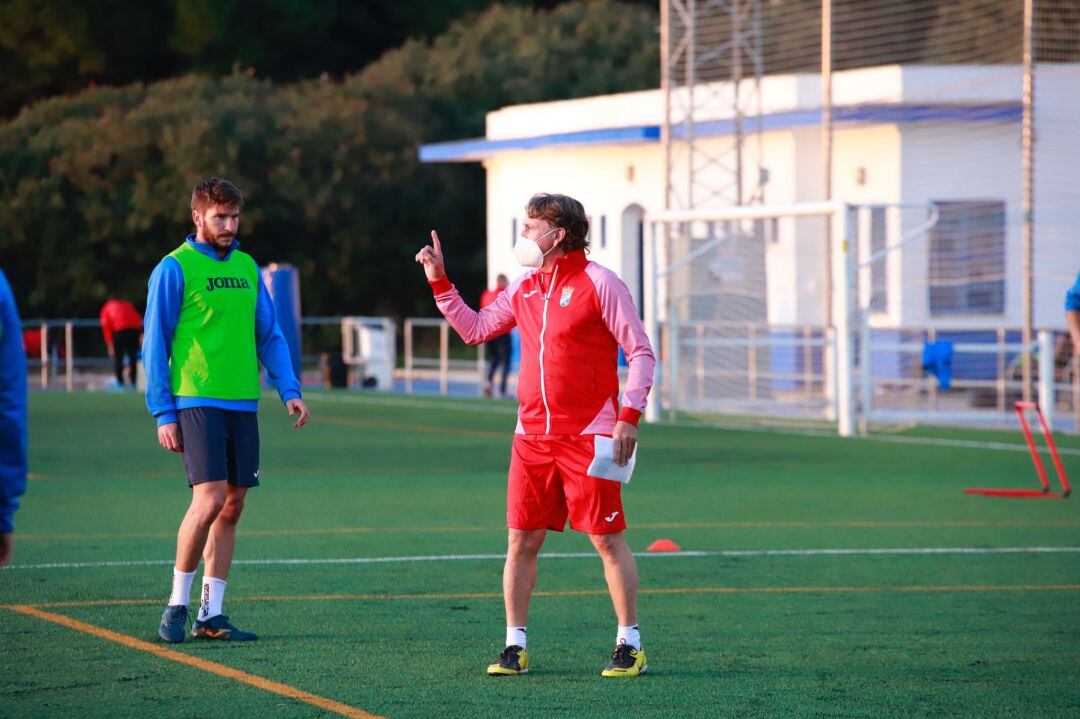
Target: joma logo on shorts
{"x": 226, "y": 283}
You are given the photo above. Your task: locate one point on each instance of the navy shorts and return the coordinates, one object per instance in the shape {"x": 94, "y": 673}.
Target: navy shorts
{"x": 220, "y": 445}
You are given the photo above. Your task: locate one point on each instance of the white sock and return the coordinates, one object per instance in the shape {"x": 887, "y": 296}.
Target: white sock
{"x": 181, "y": 587}
{"x": 515, "y": 635}
{"x": 629, "y": 635}
{"x": 213, "y": 592}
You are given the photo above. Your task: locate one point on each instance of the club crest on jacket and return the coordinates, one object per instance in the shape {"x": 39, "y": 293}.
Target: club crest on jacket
{"x": 567, "y": 293}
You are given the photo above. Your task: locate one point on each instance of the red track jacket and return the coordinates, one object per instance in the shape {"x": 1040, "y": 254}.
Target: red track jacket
{"x": 572, "y": 322}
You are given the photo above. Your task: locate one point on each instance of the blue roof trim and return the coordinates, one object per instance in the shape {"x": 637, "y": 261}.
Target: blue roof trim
{"x": 477, "y": 149}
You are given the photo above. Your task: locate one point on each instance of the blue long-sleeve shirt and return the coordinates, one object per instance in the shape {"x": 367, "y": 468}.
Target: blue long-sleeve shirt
{"x": 13, "y": 436}
{"x": 163, "y": 303}
{"x": 1072, "y": 297}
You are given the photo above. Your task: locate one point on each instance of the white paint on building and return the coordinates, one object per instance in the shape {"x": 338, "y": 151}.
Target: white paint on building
{"x": 903, "y": 135}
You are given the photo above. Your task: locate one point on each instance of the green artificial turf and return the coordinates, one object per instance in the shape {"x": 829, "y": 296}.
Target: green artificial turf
{"x": 893, "y": 635}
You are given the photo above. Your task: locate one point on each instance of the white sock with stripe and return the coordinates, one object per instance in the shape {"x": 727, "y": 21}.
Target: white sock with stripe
{"x": 213, "y": 593}
{"x": 515, "y": 635}
{"x": 181, "y": 587}
{"x": 629, "y": 635}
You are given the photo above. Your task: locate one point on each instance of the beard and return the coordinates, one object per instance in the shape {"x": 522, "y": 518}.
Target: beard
{"x": 221, "y": 241}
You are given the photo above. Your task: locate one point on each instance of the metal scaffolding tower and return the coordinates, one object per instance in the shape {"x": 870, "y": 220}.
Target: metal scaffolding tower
{"x": 711, "y": 69}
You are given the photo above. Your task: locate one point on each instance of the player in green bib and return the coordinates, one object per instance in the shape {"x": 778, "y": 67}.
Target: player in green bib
{"x": 209, "y": 323}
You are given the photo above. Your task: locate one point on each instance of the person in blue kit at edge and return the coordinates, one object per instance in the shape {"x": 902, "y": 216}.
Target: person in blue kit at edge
{"x": 209, "y": 322}
{"x": 1072, "y": 314}
{"x": 13, "y": 436}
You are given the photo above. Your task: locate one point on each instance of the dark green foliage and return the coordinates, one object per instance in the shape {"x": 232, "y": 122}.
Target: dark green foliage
{"x": 94, "y": 188}
{"x": 59, "y": 46}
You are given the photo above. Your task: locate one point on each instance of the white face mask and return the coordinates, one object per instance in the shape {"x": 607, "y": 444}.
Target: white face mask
{"x": 528, "y": 251}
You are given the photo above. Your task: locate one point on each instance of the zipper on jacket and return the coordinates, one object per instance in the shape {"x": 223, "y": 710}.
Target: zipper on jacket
{"x": 543, "y": 329}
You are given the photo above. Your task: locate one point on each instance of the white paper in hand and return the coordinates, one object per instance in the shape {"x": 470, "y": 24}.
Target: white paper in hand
{"x": 603, "y": 464}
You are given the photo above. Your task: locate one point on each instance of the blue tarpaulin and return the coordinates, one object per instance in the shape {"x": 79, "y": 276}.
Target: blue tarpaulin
{"x": 937, "y": 360}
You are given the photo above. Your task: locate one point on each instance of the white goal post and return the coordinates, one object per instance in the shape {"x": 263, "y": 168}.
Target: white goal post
{"x": 734, "y": 285}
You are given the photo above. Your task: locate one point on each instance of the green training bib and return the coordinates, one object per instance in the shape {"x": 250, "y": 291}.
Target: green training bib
{"x": 213, "y": 349}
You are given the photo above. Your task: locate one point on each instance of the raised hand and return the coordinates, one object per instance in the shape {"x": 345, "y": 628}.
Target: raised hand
{"x": 431, "y": 257}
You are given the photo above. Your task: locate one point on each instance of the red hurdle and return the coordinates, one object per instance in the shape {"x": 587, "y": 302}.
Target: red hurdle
{"x": 1045, "y": 492}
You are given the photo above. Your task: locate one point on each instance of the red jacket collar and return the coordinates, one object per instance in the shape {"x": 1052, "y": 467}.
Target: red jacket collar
{"x": 573, "y": 260}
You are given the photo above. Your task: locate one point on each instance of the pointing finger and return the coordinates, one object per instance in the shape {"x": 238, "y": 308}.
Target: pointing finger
{"x": 435, "y": 242}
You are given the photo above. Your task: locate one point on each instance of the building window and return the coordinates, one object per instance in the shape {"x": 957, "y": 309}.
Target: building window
{"x": 878, "y": 275}
{"x": 967, "y": 259}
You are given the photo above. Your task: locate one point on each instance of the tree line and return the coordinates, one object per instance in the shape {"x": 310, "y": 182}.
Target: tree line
{"x": 94, "y": 183}
{"x": 95, "y": 186}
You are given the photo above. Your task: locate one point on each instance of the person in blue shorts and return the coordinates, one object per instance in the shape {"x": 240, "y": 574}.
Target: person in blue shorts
{"x": 209, "y": 323}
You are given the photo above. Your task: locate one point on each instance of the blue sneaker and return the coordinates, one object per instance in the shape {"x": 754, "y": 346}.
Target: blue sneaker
{"x": 219, "y": 628}
{"x": 173, "y": 624}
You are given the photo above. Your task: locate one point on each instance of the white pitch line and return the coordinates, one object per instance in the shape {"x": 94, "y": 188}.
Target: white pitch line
{"x": 586, "y": 555}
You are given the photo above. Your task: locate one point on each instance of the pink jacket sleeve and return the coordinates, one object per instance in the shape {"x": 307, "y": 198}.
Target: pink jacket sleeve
{"x": 621, "y": 317}
{"x": 475, "y": 327}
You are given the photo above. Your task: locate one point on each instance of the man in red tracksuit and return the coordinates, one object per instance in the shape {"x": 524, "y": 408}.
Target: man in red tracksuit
{"x": 121, "y": 325}
{"x": 572, "y": 315}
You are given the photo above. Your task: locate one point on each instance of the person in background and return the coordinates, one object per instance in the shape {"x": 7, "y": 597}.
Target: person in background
{"x": 121, "y": 324}
{"x": 499, "y": 347}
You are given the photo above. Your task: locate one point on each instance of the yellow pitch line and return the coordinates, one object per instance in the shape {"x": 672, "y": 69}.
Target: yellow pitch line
{"x": 652, "y": 525}
{"x": 270, "y": 532}
{"x": 595, "y": 592}
{"x": 220, "y": 670}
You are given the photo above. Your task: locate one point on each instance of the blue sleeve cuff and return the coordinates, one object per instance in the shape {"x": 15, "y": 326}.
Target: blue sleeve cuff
{"x": 168, "y": 417}
{"x": 289, "y": 394}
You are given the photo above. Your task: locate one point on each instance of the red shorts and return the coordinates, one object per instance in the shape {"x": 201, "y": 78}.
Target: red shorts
{"x": 548, "y": 483}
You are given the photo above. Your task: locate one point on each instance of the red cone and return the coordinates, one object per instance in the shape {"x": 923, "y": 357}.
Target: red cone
{"x": 664, "y": 545}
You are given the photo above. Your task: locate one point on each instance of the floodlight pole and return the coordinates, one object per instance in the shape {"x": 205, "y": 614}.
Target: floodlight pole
{"x": 827, "y": 143}
{"x": 1027, "y": 192}
{"x": 829, "y": 358}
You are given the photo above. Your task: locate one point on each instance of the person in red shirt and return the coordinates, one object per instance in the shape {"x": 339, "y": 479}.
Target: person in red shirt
{"x": 498, "y": 347}
{"x": 572, "y": 316}
{"x": 121, "y": 324}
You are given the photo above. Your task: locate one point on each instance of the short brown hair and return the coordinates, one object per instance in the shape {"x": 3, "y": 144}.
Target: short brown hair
{"x": 215, "y": 191}
{"x": 565, "y": 213}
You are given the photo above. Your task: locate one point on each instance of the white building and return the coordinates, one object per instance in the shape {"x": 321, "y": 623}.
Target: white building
{"x": 904, "y": 135}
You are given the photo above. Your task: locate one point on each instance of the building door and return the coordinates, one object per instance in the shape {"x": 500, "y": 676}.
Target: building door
{"x": 633, "y": 254}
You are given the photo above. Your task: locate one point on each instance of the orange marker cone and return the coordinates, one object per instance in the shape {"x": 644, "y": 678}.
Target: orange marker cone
{"x": 664, "y": 545}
